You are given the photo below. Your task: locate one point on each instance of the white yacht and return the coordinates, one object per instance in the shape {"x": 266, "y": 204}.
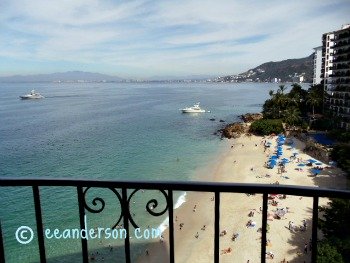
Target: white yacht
{"x": 194, "y": 109}
{"x": 32, "y": 95}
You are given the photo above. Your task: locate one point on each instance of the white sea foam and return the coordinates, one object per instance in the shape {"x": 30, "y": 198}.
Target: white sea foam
{"x": 180, "y": 200}
{"x": 165, "y": 224}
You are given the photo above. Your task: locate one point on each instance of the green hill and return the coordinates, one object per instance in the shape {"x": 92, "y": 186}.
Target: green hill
{"x": 283, "y": 70}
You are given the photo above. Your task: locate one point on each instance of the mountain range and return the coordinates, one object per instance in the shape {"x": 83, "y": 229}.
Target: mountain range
{"x": 282, "y": 70}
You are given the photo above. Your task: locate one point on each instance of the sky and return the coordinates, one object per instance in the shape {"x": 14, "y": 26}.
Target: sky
{"x": 142, "y": 39}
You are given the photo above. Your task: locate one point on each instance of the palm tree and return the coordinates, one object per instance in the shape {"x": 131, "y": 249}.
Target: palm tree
{"x": 282, "y": 88}
{"x": 292, "y": 115}
{"x": 295, "y": 100}
{"x": 313, "y": 99}
{"x": 280, "y": 100}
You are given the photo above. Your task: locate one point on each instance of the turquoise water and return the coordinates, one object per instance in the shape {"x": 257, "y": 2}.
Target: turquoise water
{"x": 105, "y": 131}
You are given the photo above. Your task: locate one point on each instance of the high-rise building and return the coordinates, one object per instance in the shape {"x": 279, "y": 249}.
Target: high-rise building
{"x": 317, "y": 65}
{"x": 335, "y": 73}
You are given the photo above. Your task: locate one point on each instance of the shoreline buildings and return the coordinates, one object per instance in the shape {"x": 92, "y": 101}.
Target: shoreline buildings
{"x": 335, "y": 73}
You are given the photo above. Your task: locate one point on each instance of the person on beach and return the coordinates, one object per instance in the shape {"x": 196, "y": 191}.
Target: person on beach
{"x": 304, "y": 224}
{"x": 226, "y": 250}
{"x": 194, "y": 208}
{"x": 270, "y": 255}
{"x": 235, "y": 237}
{"x": 197, "y": 235}
{"x": 305, "y": 248}
{"x": 224, "y": 232}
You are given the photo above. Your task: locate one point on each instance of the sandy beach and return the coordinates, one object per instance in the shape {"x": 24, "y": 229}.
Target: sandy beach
{"x": 243, "y": 162}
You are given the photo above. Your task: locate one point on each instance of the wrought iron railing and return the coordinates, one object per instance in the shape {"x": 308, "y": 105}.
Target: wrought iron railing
{"x": 167, "y": 189}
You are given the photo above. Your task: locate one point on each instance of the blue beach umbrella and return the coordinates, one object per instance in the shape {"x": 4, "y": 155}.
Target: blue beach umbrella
{"x": 312, "y": 161}
{"x": 315, "y": 171}
{"x": 301, "y": 164}
{"x": 318, "y": 163}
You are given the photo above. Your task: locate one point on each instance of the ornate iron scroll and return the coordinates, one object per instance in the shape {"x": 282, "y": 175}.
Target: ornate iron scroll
{"x": 150, "y": 206}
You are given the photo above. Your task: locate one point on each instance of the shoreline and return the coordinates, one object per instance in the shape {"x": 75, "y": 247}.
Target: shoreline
{"x": 193, "y": 244}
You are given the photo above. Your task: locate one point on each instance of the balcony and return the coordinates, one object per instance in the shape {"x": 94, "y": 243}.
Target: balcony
{"x": 341, "y": 44}
{"x": 345, "y": 74}
{"x": 340, "y": 67}
{"x": 125, "y": 190}
{"x": 341, "y": 58}
{"x": 342, "y": 51}
{"x": 340, "y": 88}
{"x": 344, "y": 35}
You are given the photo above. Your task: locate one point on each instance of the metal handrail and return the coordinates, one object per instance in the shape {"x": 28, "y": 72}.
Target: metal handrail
{"x": 167, "y": 188}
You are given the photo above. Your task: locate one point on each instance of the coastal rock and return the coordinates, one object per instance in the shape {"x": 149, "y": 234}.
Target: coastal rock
{"x": 250, "y": 117}
{"x": 234, "y": 130}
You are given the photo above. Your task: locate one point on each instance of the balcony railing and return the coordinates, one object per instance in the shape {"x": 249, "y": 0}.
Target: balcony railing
{"x": 120, "y": 189}
{"x": 341, "y": 67}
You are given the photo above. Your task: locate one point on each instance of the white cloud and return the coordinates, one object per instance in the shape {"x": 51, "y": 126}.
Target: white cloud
{"x": 186, "y": 36}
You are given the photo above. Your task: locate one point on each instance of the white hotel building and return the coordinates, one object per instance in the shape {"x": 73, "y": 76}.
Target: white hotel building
{"x": 317, "y": 65}
{"x": 335, "y": 73}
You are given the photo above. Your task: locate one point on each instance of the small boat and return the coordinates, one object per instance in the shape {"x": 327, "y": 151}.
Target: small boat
{"x": 194, "y": 109}
{"x": 32, "y": 95}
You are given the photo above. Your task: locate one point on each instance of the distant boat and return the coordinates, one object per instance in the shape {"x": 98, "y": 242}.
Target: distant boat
{"x": 194, "y": 109}
{"x": 32, "y": 95}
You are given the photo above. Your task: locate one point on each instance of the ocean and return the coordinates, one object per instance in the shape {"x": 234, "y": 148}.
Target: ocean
{"x": 128, "y": 131}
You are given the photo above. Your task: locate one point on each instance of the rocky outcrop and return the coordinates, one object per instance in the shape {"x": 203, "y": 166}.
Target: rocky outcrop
{"x": 250, "y": 117}
{"x": 234, "y": 130}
